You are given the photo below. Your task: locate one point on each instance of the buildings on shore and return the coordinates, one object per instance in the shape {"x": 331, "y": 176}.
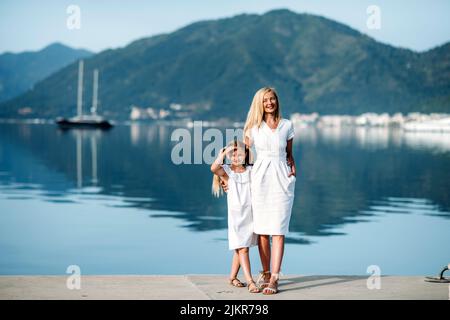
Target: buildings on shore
{"x": 414, "y": 121}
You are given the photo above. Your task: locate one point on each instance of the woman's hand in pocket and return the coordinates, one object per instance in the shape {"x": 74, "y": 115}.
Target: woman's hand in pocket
{"x": 291, "y": 164}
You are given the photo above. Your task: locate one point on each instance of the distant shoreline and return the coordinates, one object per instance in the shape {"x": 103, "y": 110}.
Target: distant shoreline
{"x": 413, "y": 121}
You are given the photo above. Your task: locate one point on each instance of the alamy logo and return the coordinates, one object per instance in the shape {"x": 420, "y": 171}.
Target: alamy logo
{"x": 74, "y": 280}
{"x": 74, "y": 19}
{"x": 374, "y": 281}
{"x": 374, "y": 20}
{"x": 190, "y": 147}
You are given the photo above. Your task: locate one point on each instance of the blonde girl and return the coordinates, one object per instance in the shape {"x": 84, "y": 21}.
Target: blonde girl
{"x": 240, "y": 221}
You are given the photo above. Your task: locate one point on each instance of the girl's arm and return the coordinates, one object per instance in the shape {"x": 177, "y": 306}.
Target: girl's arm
{"x": 290, "y": 158}
{"x": 216, "y": 166}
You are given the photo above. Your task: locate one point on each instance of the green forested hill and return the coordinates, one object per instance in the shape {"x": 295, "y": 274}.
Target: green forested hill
{"x": 20, "y": 71}
{"x": 212, "y": 68}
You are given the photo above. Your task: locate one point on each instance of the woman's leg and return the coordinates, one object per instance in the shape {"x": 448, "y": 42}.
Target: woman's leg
{"x": 277, "y": 253}
{"x": 277, "y": 258}
{"x": 264, "y": 251}
{"x": 264, "y": 255}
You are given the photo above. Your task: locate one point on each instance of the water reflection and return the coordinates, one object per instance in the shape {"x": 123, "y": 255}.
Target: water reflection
{"x": 345, "y": 175}
{"x": 375, "y": 138}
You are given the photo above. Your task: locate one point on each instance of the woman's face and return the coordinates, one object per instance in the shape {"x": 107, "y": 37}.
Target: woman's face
{"x": 270, "y": 102}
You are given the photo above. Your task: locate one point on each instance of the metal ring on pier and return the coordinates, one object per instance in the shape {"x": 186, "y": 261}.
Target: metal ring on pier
{"x": 440, "y": 278}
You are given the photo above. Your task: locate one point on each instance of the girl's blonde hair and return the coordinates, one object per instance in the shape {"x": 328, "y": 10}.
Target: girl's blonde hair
{"x": 216, "y": 189}
{"x": 255, "y": 115}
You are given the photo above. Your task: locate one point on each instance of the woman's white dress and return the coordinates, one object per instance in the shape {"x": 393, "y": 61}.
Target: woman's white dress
{"x": 240, "y": 219}
{"x": 272, "y": 189}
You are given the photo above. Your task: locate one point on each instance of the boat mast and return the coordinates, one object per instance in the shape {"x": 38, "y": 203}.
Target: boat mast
{"x": 95, "y": 93}
{"x": 80, "y": 88}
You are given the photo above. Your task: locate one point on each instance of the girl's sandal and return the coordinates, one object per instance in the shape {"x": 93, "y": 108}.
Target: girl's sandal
{"x": 272, "y": 288}
{"x": 252, "y": 287}
{"x": 236, "y": 283}
{"x": 263, "y": 279}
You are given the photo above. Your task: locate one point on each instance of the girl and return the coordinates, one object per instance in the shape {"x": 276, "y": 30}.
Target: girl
{"x": 240, "y": 221}
{"x": 272, "y": 181}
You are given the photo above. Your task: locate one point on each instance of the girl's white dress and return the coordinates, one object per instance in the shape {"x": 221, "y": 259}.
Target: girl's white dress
{"x": 240, "y": 220}
{"x": 272, "y": 189}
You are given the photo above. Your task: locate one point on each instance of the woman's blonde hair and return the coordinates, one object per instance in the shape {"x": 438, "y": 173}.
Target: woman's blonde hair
{"x": 216, "y": 189}
{"x": 255, "y": 115}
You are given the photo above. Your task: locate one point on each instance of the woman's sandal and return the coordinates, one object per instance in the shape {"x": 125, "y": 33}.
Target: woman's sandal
{"x": 236, "y": 283}
{"x": 272, "y": 288}
{"x": 263, "y": 279}
{"x": 252, "y": 287}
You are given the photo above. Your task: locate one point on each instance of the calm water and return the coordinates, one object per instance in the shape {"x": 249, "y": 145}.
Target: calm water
{"x": 114, "y": 203}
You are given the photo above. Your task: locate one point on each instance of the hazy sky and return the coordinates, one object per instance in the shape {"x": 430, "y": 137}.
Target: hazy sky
{"x": 31, "y": 24}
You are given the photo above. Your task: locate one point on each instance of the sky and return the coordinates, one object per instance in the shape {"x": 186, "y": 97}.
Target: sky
{"x": 31, "y": 25}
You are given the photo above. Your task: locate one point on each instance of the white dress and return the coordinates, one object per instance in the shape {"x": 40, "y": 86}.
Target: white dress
{"x": 272, "y": 189}
{"x": 240, "y": 220}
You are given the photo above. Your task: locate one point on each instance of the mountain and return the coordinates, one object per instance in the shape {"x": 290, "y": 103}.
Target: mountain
{"x": 212, "y": 69}
{"x": 20, "y": 71}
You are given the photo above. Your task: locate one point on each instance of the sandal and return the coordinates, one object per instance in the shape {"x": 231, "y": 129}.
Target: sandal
{"x": 252, "y": 287}
{"x": 272, "y": 288}
{"x": 263, "y": 279}
{"x": 235, "y": 282}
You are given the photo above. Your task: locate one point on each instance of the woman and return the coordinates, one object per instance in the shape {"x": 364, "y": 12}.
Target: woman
{"x": 272, "y": 181}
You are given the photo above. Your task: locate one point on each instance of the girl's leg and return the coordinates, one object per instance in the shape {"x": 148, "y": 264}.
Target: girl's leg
{"x": 235, "y": 265}
{"x": 245, "y": 263}
{"x": 235, "y": 270}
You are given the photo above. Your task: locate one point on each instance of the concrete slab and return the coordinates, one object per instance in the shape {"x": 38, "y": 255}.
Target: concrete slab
{"x": 215, "y": 287}
{"x": 100, "y": 287}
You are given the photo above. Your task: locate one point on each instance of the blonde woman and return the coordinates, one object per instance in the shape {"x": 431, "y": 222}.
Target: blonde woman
{"x": 240, "y": 220}
{"x": 272, "y": 181}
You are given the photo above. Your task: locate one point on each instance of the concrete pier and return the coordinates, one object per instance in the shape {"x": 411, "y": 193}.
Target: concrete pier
{"x": 206, "y": 287}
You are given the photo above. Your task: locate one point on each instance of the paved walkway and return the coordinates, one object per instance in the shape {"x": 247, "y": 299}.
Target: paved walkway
{"x": 204, "y": 287}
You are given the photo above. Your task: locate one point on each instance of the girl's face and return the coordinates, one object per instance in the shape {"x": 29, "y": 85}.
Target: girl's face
{"x": 270, "y": 102}
{"x": 237, "y": 156}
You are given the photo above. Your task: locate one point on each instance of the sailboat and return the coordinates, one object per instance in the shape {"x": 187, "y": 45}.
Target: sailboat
{"x": 81, "y": 120}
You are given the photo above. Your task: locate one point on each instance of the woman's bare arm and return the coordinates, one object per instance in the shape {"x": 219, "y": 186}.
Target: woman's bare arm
{"x": 248, "y": 141}
{"x": 290, "y": 158}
